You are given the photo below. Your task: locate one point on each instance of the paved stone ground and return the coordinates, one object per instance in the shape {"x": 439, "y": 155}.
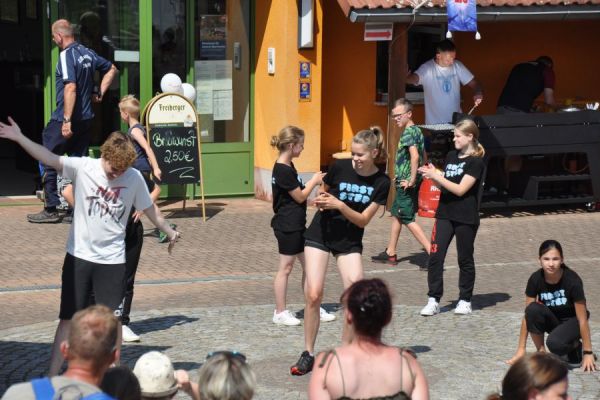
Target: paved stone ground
{"x": 215, "y": 292}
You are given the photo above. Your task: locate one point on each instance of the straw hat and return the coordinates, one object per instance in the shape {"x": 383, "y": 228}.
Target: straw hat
{"x": 155, "y": 372}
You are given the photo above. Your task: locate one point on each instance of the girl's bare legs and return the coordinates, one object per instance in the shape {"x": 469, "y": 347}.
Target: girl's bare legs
{"x": 351, "y": 270}
{"x": 418, "y": 233}
{"x": 286, "y": 263}
{"x": 315, "y": 269}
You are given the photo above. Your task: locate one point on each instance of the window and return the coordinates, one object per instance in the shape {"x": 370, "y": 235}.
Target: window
{"x": 222, "y": 70}
{"x": 421, "y": 47}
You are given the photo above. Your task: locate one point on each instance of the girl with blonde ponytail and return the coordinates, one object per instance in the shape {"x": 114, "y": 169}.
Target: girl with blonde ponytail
{"x": 457, "y": 215}
{"x": 352, "y": 191}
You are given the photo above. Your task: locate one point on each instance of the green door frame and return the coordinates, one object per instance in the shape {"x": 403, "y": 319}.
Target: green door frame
{"x": 211, "y": 150}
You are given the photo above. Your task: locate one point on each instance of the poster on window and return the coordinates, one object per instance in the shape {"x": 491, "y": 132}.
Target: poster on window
{"x": 213, "y": 37}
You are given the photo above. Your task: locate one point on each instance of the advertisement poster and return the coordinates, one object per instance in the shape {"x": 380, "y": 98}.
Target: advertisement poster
{"x": 304, "y": 70}
{"x": 213, "y": 37}
{"x": 305, "y": 91}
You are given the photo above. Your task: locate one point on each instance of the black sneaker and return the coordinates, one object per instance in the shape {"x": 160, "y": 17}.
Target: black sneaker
{"x": 304, "y": 365}
{"x": 44, "y": 217}
{"x": 385, "y": 258}
{"x": 575, "y": 356}
{"x": 67, "y": 218}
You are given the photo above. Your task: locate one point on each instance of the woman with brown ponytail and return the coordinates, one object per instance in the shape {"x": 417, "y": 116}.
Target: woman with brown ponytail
{"x": 457, "y": 215}
{"x": 352, "y": 192}
{"x": 367, "y": 368}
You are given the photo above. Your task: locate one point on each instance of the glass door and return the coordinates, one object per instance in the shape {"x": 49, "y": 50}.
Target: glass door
{"x": 111, "y": 29}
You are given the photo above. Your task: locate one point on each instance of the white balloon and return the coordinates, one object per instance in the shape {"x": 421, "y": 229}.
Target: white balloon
{"x": 189, "y": 91}
{"x": 171, "y": 83}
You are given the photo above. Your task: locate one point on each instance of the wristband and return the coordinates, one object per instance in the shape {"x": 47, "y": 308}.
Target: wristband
{"x": 587, "y": 352}
{"x": 66, "y": 120}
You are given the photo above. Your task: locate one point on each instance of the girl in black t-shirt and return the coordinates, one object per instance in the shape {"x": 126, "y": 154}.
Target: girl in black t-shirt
{"x": 289, "y": 221}
{"x": 555, "y": 304}
{"x": 352, "y": 192}
{"x": 457, "y": 215}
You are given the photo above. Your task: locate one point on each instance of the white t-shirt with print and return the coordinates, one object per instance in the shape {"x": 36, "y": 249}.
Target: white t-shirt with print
{"x": 102, "y": 208}
{"x": 441, "y": 87}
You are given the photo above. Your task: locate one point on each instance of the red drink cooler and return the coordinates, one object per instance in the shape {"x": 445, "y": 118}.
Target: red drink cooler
{"x": 429, "y": 198}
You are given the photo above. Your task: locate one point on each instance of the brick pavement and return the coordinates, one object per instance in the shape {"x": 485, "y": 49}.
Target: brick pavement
{"x": 218, "y": 283}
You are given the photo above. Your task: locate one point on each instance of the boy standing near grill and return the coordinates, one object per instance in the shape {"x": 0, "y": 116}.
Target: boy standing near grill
{"x": 409, "y": 157}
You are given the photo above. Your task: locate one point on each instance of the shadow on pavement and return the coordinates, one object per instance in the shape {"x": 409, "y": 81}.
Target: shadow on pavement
{"x": 418, "y": 259}
{"x": 160, "y": 323}
{"x": 187, "y": 365}
{"x": 419, "y": 349}
{"x": 329, "y": 307}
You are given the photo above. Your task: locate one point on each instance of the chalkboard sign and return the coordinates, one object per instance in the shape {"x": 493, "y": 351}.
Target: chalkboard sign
{"x": 172, "y": 131}
{"x": 176, "y": 149}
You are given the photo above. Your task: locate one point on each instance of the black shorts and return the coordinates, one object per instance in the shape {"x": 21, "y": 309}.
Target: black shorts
{"x": 321, "y": 246}
{"x": 81, "y": 279}
{"x": 290, "y": 243}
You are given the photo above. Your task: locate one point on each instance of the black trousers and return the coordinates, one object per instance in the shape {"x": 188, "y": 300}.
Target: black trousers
{"x": 441, "y": 236}
{"x": 134, "y": 239}
{"x": 53, "y": 140}
{"x": 563, "y": 335}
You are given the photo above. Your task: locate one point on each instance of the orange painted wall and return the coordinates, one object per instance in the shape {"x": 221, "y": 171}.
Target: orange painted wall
{"x": 276, "y": 96}
{"x": 573, "y": 46}
{"x": 348, "y": 82}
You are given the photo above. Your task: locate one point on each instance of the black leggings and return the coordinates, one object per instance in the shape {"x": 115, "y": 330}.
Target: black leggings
{"x": 563, "y": 335}
{"x": 441, "y": 236}
{"x": 134, "y": 239}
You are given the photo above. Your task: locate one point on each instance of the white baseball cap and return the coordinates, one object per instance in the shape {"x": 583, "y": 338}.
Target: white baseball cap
{"x": 155, "y": 372}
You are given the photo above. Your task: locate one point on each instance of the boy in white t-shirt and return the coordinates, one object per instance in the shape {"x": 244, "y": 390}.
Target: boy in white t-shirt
{"x": 105, "y": 189}
{"x": 441, "y": 78}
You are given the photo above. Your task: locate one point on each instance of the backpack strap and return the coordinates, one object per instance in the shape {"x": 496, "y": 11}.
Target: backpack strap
{"x": 43, "y": 389}
{"x": 98, "y": 396}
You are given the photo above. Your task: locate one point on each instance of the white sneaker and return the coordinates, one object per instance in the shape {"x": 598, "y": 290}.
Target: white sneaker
{"x": 129, "y": 335}
{"x": 463, "y": 308}
{"x": 285, "y": 318}
{"x": 432, "y": 308}
{"x": 325, "y": 316}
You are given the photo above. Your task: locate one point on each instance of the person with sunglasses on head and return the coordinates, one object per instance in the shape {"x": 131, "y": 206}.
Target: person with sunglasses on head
{"x": 104, "y": 190}
{"x": 410, "y": 155}
{"x": 224, "y": 376}
{"x": 365, "y": 367}
{"x": 457, "y": 215}
{"x": 352, "y": 192}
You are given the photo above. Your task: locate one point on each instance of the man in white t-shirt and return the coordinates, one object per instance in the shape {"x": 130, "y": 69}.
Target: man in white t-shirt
{"x": 441, "y": 78}
{"x": 105, "y": 189}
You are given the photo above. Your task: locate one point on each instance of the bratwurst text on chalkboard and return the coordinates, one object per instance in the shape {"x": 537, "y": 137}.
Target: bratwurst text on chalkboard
{"x": 176, "y": 150}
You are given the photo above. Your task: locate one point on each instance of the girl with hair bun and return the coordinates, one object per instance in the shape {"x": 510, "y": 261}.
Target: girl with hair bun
{"x": 457, "y": 215}
{"x": 352, "y": 191}
{"x": 555, "y": 304}
{"x": 367, "y": 368}
{"x": 289, "y": 221}
{"x": 538, "y": 376}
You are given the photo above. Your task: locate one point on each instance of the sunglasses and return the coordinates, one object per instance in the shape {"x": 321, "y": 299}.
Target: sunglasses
{"x": 228, "y": 354}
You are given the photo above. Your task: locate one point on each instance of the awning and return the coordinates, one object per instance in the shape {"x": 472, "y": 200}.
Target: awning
{"x": 427, "y": 11}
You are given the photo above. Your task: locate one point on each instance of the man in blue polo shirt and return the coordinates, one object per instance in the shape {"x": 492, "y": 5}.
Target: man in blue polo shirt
{"x": 68, "y": 130}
